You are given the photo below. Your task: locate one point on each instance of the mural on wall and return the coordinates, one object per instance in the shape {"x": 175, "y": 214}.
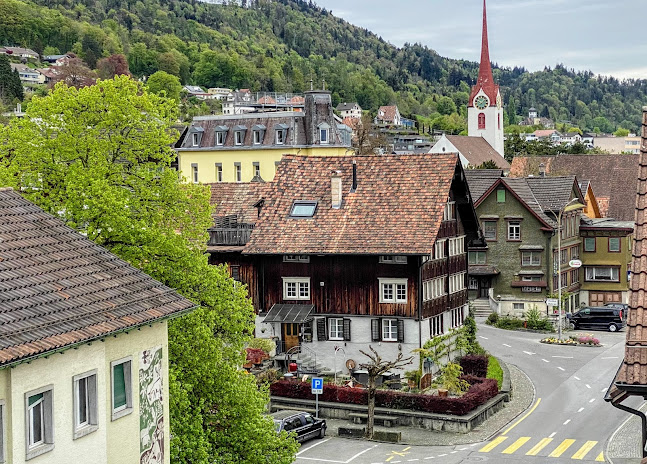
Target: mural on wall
{"x": 151, "y": 407}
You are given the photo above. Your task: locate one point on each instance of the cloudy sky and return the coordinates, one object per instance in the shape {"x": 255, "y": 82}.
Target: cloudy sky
{"x": 604, "y": 36}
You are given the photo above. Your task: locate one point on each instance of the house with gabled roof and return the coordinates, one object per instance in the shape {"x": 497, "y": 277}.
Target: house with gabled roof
{"x": 349, "y": 110}
{"x": 518, "y": 217}
{"x": 388, "y": 115}
{"x": 83, "y": 346}
{"x": 350, "y": 251}
{"x": 473, "y": 150}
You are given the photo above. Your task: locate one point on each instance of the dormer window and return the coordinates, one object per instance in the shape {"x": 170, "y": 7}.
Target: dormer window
{"x": 221, "y": 135}
{"x": 196, "y": 139}
{"x": 324, "y": 133}
{"x": 303, "y": 209}
{"x": 281, "y": 133}
{"x": 258, "y": 133}
{"x": 239, "y": 136}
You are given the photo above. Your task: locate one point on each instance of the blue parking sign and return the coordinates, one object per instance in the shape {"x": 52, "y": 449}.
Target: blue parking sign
{"x": 317, "y": 385}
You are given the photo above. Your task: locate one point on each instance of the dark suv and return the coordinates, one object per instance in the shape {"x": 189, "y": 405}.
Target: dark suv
{"x": 604, "y": 317}
{"x": 302, "y": 423}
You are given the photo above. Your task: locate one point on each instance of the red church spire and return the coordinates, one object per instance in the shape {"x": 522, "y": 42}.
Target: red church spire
{"x": 485, "y": 80}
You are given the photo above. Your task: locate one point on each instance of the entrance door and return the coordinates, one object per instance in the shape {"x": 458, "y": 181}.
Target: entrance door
{"x": 484, "y": 287}
{"x": 290, "y": 335}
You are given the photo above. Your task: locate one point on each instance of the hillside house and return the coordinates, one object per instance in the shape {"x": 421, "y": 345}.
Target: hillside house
{"x": 349, "y": 110}
{"x": 388, "y": 115}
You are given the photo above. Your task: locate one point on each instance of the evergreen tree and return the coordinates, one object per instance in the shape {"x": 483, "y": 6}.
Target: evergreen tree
{"x": 10, "y": 84}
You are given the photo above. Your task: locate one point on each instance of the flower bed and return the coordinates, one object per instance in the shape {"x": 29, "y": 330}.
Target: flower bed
{"x": 480, "y": 392}
{"x": 579, "y": 339}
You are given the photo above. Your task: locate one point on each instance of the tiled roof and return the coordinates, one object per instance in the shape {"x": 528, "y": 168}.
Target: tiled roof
{"x": 346, "y": 106}
{"x": 57, "y": 288}
{"x": 396, "y": 209}
{"x": 387, "y": 113}
{"x": 477, "y": 150}
{"x": 480, "y": 180}
{"x": 553, "y": 192}
{"x": 608, "y": 175}
{"x": 544, "y": 133}
{"x": 522, "y": 189}
{"x": 238, "y": 199}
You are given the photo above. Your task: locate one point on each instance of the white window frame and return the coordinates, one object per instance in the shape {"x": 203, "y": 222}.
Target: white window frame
{"x": 457, "y": 282}
{"x": 195, "y": 140}
{"x": 280, "y": 137}
{"x": 258, "y": 138}
{"x": 518, "y": 306}
{"x": 296, "y": 258}
{"x": 239, "y": 137}
{"x": 532, "y": 254}
{"x": 457, "y": 246}
{"x": 439, "y": 249}
{"x": 90, "y": 425}
{"x": 46, "y": 443}
{"x": 457, "y": 317}
{"x": 194, "y": 173}
{"x": 256, "y": 167}
{"x": 476, "y": 254}
{"x": 514, "y": 230}
{"x": 436, "y": 325}
{"x": 388, "y": 327}
{"x": 238, "y": 172}
{"x": 221, "y": 136}
{"x": 324, "y": 136}
{"x": 299, "y": 285}
{"x": 590, "y": 274}
{"x": 394, "y": 288}
{"x": 449, "y": 213}
{"x": 335, "y": 328}
{"x": 218, "y": 172}
{"x": 393, "y": 259}
{"x": 126, "y": 409}
{"x": 473, "y": 283}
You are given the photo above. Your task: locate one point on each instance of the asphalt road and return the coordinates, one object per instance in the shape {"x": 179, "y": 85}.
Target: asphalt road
{"x": 569, "y": 420}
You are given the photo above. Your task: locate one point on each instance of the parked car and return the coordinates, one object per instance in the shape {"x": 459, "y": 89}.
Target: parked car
{"x": 603, "y": 317}
{"x": 302, "y": 423}
{"x": 623, "y": 306}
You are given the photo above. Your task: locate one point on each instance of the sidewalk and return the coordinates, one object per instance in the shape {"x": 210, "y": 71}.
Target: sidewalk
{"x": 523, "y": 394}
{"x": 624, "y": 444}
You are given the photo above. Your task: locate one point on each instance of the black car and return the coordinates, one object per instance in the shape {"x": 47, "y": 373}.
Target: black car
{"x": 302, "y": 423}
{"x": 604, "y": 317}
{"x": 623, "y": 306}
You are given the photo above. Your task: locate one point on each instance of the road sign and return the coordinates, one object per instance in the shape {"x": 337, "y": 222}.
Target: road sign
{"x": 317, "y": 385}
{"x": 575, "y": 263}
{"x": 552, "y": 301}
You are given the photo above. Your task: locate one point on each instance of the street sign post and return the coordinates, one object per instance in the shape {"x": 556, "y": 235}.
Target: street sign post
{"x": 552, "y": 301}
{"x": 317, "y": 388}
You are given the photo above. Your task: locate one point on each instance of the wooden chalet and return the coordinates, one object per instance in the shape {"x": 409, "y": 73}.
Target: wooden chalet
{"x": 350, "y": 251}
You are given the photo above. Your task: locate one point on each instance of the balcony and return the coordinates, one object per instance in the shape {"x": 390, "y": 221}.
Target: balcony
{"x": 238, "y": 235}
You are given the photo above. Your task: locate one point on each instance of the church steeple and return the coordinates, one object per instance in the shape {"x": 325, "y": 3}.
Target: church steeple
{"x": 485, "y": 80}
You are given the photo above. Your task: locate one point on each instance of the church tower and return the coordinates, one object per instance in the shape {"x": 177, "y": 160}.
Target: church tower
{"x": 485, "y": 109}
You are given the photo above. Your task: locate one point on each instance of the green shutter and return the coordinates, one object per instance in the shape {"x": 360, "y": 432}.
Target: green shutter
{"x": 118, "y": 387}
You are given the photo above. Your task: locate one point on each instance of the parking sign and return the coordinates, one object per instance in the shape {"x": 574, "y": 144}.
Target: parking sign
{"x": 317, "y": 385}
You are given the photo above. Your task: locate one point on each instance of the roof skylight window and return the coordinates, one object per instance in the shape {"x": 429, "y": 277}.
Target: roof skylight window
{"x": 303, "y": 209}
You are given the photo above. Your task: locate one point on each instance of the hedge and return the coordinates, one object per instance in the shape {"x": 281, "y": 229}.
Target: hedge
{"x": 475, "y": 365}
{"x": 481, "y": 391}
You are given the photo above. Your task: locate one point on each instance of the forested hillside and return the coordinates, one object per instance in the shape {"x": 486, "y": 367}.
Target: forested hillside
{"x": 281, "y": 45}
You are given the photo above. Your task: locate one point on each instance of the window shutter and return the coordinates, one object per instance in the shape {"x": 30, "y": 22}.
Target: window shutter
{"x": 376, "y": 336}
{"x": 400, "y": 331}
{"x": 48, "y": 418}
{"x": 347, "y": 330}
{"x": 322, "y": 333}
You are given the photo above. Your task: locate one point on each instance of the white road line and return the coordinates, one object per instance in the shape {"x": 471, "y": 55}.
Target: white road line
{"x": 603, "y": 390}
{"x": 505, "y": 344}
{"x": 610, "y": 357}
{"x": 462, "y": 449}
{"x": 529, "y": 353}
{"x": 545, "y": 360}
{"x": 580, "y": 410}
{"x": 552, "y": 435}
{"x": 484, "y": 338}
{"x": 591, "y": 400}
{"x": 563, "y": 357}
{"x": 566, "y": 422}
{"x": 412, "y": 460}
{"x": 576, "y": 377}
{"x": 453, "y": 452}
{"x": 303, "y": 450}
{"x": 588, "y": 386}
{"x": 441, "y": 455}
{"x": 336, "y": 462}
{"x": 561, "y": 368}
{"x": 430, "y": 457}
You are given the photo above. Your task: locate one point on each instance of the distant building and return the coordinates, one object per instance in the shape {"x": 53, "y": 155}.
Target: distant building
{"x": 198, "y": 92}
{"x": 533, "y": 119}
{"x": 27, "y": 74}
{"x": 219, "y": 92}
{"x": 20, "y": 52}
{"x": 244, "y": 101}
{"x": 617, "y": 145}
{"x": 349, "y": 110}
{"x": 473, "y": 151}
{"x": 389, "y": 115}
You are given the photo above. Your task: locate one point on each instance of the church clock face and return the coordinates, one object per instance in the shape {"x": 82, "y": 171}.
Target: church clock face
{"x": 481, "y": 102}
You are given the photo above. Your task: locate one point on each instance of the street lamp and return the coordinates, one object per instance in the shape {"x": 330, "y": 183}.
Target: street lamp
{"x": 559, "y": 267}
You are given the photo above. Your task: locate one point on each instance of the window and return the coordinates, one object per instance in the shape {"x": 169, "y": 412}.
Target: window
{"x": 457, "y": 317}
{"x": 434, "y": 288}
{"x": 257, "y": 168}
{"x": 575, "y": 252}
{"x": 575, "y": 276}
{"x": 477, "y": 257}
{"x": 500, "y": 196}
{"x": 449, "y": 213}
{"x": 393, "y": 290}
{"x": 499, "y": 119}
{"x": 457, "y": 282}
{"x": 194, "y": 173}
{"x": 323, "y": 136}
{"x": 456, "y": 246}
{"x": 303, "y": 209}
{"x": 481, "y": 121}
{"x": 614, "y": 244}
{"x": 473, "y": 283}
{"x": 436, "y": 325}
{"x": 218, "y": 172}
{"x": 238, "y": 171}
{"x": 563, "y": 254}
{"x": 489, "y": 227}
{"x": 589, "y": 244}
{"x": 122, "y": 393}
{"x": 531, "y": 289}
{"x": 196, "y": 139}
{"x": 239, "y": 137}
{"x": 335, "y": 329}
{"x": 439, "y": 249}
{"x": 531, "y": 258}
{"x": 234, "y": 271}
{"x": 519, "y": 306}
{"x": 514, "y": 230}
{"x": 390, "y": 330}
{"x": 393, "y": 259}
{"x": 220, "y": 138}
{"x": 85, "y": 404}
{"x": 296, "y": 258}
{"x": 280, "y": 137}
{"x": 258, "y": 137}
{"x": 296, "y": 288}
{"x": 609, "y": 274}
{"x": 39, "y": 421}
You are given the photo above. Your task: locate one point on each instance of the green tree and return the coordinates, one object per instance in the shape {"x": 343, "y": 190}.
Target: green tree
{"x": 10, "y": 84}
{"x": 621, "y": 132}
{"x": 446, "y": 106}
{"x": 99, "y": 157}
{"x": 165, "y": 84}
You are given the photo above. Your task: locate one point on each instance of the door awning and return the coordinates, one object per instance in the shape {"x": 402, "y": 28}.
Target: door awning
{"x": 290, "y": 313}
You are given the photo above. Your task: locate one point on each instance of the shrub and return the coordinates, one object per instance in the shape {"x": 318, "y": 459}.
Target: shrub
{"x": 509, "y": 323}
{"x": 255, "y": 355}
{"x": 494, "y": 371}
{"x": 492, "y": 319}
{"x": 450, "y": 379}
{"x": 480, "y": 391}
{"x": 264, "y": 344}
{"x": 476, "y": 365}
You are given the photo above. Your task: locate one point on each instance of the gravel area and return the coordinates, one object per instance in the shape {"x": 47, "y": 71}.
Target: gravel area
{"x": 523, "y": 394}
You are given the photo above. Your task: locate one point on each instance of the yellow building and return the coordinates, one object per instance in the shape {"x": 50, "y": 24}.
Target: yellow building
{"x": 84, "y": 349}
{"x": 245, "y": 147}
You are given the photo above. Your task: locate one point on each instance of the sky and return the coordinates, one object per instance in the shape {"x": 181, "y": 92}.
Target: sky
{"x": 604, "y": 36}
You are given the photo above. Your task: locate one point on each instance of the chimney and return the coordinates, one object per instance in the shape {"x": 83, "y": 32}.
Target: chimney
{"x": 542, "y": 170}
{"x": 354, "y": 187}
{"x": 335, "y": 189}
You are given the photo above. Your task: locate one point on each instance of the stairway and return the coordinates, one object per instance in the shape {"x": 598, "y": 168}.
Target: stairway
{"x": 481, "y": 307}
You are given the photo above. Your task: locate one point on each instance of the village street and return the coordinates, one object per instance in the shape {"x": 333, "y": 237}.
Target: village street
{"x": 568, "y": 419}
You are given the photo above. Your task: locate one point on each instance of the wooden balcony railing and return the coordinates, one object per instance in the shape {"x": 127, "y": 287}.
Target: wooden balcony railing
{"x": 230, "y": 236}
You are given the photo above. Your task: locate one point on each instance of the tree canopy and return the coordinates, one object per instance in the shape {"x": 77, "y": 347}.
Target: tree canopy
{"x": 99, "y": 157}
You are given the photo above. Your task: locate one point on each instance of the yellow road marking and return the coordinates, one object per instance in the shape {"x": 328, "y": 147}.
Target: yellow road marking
{"x": 516, "y": 445}
{"x": 398, "y": 453}
{"x": 600, "y": 457}
{"x": 493, "y": 444}
{"x": 389, "y": 458}
{"x": 539, "y": 446}
{"x": 557, "y": 452}
{"x": 583, "y": 451}
{"x": 526, "y": 415}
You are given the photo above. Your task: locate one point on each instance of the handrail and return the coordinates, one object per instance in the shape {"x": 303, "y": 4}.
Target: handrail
{"x": 298, "y": 350}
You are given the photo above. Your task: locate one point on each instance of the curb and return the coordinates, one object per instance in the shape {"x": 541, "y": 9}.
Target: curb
{"x": 616, "y": 431}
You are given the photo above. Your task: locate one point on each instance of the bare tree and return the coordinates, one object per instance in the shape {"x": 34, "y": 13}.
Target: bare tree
{"x": 367, "y": 138}
{"x": 376, "y": 367}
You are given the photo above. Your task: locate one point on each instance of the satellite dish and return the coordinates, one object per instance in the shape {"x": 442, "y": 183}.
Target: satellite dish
{"x": 351, "y": 364}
